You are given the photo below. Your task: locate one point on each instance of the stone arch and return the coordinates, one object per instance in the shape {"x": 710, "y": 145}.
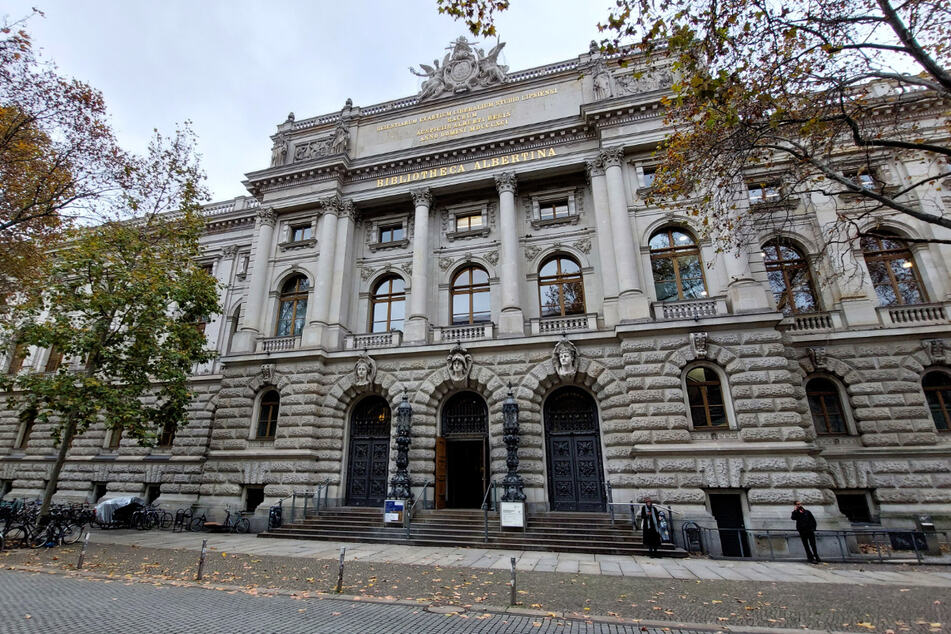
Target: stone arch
{"x": 803, "y": 242}
{"x": 281, "y": 277}
{"x": 434, "y": 388}
{"x": 342, "y": 396}
{"x": 467, "y": 260}
{"x": 591, "y": 374}
{"x": 667, "y": 220}
{"x": 258, "y": 382}
{"x": 838, "y": 368}
{"x": 549, "y": 251}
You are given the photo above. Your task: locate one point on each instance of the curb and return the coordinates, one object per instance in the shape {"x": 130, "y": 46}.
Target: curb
{"x": 430, "y": 607}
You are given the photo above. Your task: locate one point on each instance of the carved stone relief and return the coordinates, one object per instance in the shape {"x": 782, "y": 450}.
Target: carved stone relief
{"x": 463, "y": 68}
{"x": 458, "y": 363}
{"x": 564, "y": 358}
{"x": 364, "y": 370}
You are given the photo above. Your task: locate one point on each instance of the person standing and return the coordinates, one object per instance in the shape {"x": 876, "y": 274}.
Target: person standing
{"x": 806, "y": 526}
{"x": 650, "y": 524}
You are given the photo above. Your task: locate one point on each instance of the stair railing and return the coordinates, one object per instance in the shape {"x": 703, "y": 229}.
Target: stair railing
{"x": 408, "y": 513}
{"x": 609, "y": 493}
{"x": 322, "y": 488}
{"x": 485, "y": 509}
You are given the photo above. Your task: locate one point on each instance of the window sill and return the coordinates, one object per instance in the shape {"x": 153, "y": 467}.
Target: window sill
{"x": 300, "y": 244}
{"x": 644, "y": 192}
{"x": 554, "y": 222}
{"x": 392, "y": 244}
{"x": 472, "y": 233}
{"x": 773, "y": 205}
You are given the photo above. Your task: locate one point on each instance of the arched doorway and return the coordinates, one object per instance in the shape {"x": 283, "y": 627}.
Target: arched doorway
{"x": 369, "y": 459}
{"x": 573, "y": 448}
{"x": 462, "y": 452}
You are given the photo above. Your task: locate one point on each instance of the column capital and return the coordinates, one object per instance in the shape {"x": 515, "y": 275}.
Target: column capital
{"x": 350, "y": 210}
{"x": 229, "y": 251}
{"x": 267, "y": 216}
{"x": 422, "y": 197}
{"x": 506, "y": 182}
{"x": 331, "y": 204}
{"x": 612, "y": 156}
{"x": 594, "y": 167}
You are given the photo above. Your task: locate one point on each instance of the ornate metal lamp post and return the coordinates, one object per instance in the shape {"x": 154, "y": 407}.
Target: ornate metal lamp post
{"x": 514, "y": 487}
{"x": 399, "y": 484}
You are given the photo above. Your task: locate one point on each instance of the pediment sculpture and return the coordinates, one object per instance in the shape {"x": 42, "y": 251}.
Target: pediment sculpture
{"x": 463, "y": 68}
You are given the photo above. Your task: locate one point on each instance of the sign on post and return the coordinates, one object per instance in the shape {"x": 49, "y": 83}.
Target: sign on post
{"x": 512, "y": 514}
{"x": 393, "y": 511}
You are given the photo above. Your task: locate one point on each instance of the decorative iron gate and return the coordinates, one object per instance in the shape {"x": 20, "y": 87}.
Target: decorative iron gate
{"x": 573, "y": 445}
{"x": 369, "y": 460}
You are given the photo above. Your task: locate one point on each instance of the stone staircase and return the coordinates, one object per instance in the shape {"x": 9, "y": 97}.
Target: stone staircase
{"x": 556, "y": 532}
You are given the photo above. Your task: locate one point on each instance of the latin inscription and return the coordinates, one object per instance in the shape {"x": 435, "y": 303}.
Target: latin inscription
{"x": 461, "y": 168}
{"x": 481, "y": 117}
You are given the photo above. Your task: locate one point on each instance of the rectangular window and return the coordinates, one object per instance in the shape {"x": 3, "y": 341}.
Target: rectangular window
{"x": 152, "y": 493}
{"x": 167, "y": 436}
{"x": 855, "y": 507}
{"x": 29, "y": 419}
{"x": 16, "y": 361}
{"x": 253, "y": 496}
{"x": 54, "y": 360}
{"x": 469, "y": 222}
{"x": 764, "y": 193}
{"x": 115, "y": 437}
{"x": 391, "y": 233}
{"x": 299, "y": 233}
{"x": 648, "y": 179}
{"x": 863, "y": 178}
{"x": 553, "y": 209}
{"x": 99, "y": 490}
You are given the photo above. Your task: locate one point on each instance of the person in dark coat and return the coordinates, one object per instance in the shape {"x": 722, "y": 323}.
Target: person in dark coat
{"x": 650, "y": 524}
{"x": 806, "y": 526}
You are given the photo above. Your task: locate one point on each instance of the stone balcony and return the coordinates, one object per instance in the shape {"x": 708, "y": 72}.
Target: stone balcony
{"x": 278, "y": 344}
{"x": 812, "y": 322}
{"x": 569, "y": 323}
{"x": 914, "y": 315}
{"x": 690, "y": 309}
{"x": 391, "y": 339}
{"x": 463, "y": 332}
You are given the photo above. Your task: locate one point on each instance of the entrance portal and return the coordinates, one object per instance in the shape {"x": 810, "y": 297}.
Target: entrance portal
{"x": 369, "y": 452}
{"x": 727, "y": 509}
{"x": 462, "y": 453}
{"x": 573, "y": 445}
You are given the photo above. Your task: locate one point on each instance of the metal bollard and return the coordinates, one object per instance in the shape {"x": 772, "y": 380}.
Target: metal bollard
{"x": 201, "y": 560}
{"x": 343, "y": 551}
{"x": 512, "y": 589}
{"x": 82, "y": 552}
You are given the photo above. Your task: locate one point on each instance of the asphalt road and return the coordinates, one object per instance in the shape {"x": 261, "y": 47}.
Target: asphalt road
{"x": 39, "y": 602}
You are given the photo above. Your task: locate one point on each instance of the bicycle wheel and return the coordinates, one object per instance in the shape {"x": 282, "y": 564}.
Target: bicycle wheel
{"x": 16, "y": 537}
{"x": 242, "y": 525}
{"x": 166, "y": 522}
{"x": 42, "y": 538}
{"x": 72, "y": 533}
{"x": 197, "y": 525}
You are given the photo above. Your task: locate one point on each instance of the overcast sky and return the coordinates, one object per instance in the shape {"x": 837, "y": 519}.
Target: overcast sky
{"x": 235, "y": 68}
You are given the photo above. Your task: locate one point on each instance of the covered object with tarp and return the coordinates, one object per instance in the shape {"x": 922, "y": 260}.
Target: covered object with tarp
{"x": 118, "y": 510}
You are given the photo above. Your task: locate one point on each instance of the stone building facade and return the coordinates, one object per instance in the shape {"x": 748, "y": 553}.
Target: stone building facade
{"x": 493, "y": 235}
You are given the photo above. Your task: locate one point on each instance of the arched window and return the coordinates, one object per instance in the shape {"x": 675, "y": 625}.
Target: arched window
{"x": 705, "y": 397}
{"x": 388, "y": 306}
{"x": 676, "y": 266}
{"x": 937, "y": 386}
{"x": 789, "y": 278}
{"x": 268, "y": 411}
{"x": 293, "y": 306}
{"x": 892, "y": 269}
{"x": 470, "y": 296}
{"x": 826, "y": 406}
{"x": 560, "y": 288}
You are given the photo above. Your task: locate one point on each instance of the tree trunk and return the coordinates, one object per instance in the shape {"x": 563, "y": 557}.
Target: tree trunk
{"x": 69, "y": 430}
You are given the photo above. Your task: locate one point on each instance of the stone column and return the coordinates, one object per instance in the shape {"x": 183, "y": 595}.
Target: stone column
{"x": 318, "y": 309}
{"x": 602, "y": 216}
{"x": 511, "y": 319}
{"x": 219, "y": 339}
{"x": 632, "y": 302}
{"x": 417, "y": 323}
{"x": 343, "y": 275}
{"x": 743, "y": 293}
{"x": 854, "y": 295}
{"x": 245, "y": 340}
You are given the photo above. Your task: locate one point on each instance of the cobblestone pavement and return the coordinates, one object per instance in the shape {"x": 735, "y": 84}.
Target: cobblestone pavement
{"x": 38, "y": 603}
{"x": 614, "y": 565}
{"x": 717, "y": 602}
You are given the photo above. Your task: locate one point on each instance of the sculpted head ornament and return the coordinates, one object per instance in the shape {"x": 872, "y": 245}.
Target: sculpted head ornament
{"x": 364, "y": 370}
{"x": 458, "y": 363}
{"x": 565, "y": 358}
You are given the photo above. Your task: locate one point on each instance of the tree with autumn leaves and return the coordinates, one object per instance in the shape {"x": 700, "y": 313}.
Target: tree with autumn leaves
{"x": 108, "y": 279}
{"x": 797, "y": 99}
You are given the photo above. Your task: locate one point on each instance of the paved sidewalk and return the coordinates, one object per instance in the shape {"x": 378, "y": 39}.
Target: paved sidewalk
{"x": 537, "y": 561}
